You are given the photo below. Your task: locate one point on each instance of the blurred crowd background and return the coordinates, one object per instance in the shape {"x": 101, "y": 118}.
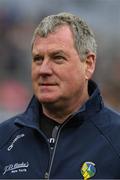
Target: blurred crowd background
{"x": 18, "y": 19}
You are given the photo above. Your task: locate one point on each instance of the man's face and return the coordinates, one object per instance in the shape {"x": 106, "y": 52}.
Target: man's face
{"x": 58, "y": 75}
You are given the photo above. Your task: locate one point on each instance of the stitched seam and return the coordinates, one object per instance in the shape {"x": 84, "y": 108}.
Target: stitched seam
{"x": 107, "y": 138}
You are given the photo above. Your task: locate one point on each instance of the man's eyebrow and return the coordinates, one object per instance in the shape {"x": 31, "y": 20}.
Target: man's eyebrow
{"x": 35, "y": 54}
{"x": 52, "y": 53}
{"x": 58, "y": 52}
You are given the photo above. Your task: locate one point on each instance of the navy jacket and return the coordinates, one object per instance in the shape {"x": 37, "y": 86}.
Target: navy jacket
{"x": 87, "y": 144}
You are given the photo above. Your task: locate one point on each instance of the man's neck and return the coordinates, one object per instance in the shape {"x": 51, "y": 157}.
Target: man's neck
{"x": 57, "y": 115}
{"x": 62, "y": 112}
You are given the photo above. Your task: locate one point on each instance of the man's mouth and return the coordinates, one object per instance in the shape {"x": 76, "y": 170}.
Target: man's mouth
{"x": 47, "y": 84}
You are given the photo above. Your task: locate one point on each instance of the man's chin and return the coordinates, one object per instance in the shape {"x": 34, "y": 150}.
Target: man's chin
{"x": 47, "y": 100}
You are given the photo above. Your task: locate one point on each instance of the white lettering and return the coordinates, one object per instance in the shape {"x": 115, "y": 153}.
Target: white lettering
{"x": 52, "y": 140}
{"x": 13, "y": 142}
{"x": 16, "y": 166}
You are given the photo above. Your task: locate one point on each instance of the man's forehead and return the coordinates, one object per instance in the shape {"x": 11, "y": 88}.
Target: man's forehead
{"x": 54, "y": 41}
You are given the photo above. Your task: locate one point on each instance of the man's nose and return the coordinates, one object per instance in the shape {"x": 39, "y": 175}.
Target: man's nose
{"x": 45, "y": 68}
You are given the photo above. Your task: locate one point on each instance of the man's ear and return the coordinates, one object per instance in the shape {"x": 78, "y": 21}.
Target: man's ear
{"x": 90, "y": 65}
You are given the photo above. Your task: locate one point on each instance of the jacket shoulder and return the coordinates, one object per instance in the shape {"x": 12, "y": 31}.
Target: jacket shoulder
{"x": 112, "y": 112}
{"x": 108, "y": 117}
{"x": 112, "y": 117}
{"x": 7, "y": 128}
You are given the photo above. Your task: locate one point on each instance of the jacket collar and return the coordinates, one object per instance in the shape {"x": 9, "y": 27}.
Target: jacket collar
{"x": 95, "y": 102}
{"x": 31, "y": 116}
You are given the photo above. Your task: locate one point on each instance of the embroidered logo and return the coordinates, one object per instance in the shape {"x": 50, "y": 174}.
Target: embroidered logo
{"x": 88, "y": 170}
{"x": 17, "y": 167}
{"x": 13, "y": 142}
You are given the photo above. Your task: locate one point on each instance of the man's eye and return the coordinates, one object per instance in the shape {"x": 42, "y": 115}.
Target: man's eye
{"x": 59, "y": 59}
{"x": 37, "y": 58}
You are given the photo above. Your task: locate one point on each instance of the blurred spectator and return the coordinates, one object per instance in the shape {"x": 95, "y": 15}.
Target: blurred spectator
{"x": 13, "y": 96}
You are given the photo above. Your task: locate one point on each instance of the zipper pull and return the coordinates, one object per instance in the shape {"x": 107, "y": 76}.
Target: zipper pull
{"x": 46, "y": 176}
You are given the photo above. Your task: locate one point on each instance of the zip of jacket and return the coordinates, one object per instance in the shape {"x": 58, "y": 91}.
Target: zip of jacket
{"x": 48, "y": 172}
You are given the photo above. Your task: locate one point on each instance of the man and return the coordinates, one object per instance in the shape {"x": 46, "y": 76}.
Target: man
{"x": 66, "y": 131}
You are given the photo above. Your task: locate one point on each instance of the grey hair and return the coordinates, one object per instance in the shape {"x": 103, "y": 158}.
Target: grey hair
{"x": 83, "y": 36}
